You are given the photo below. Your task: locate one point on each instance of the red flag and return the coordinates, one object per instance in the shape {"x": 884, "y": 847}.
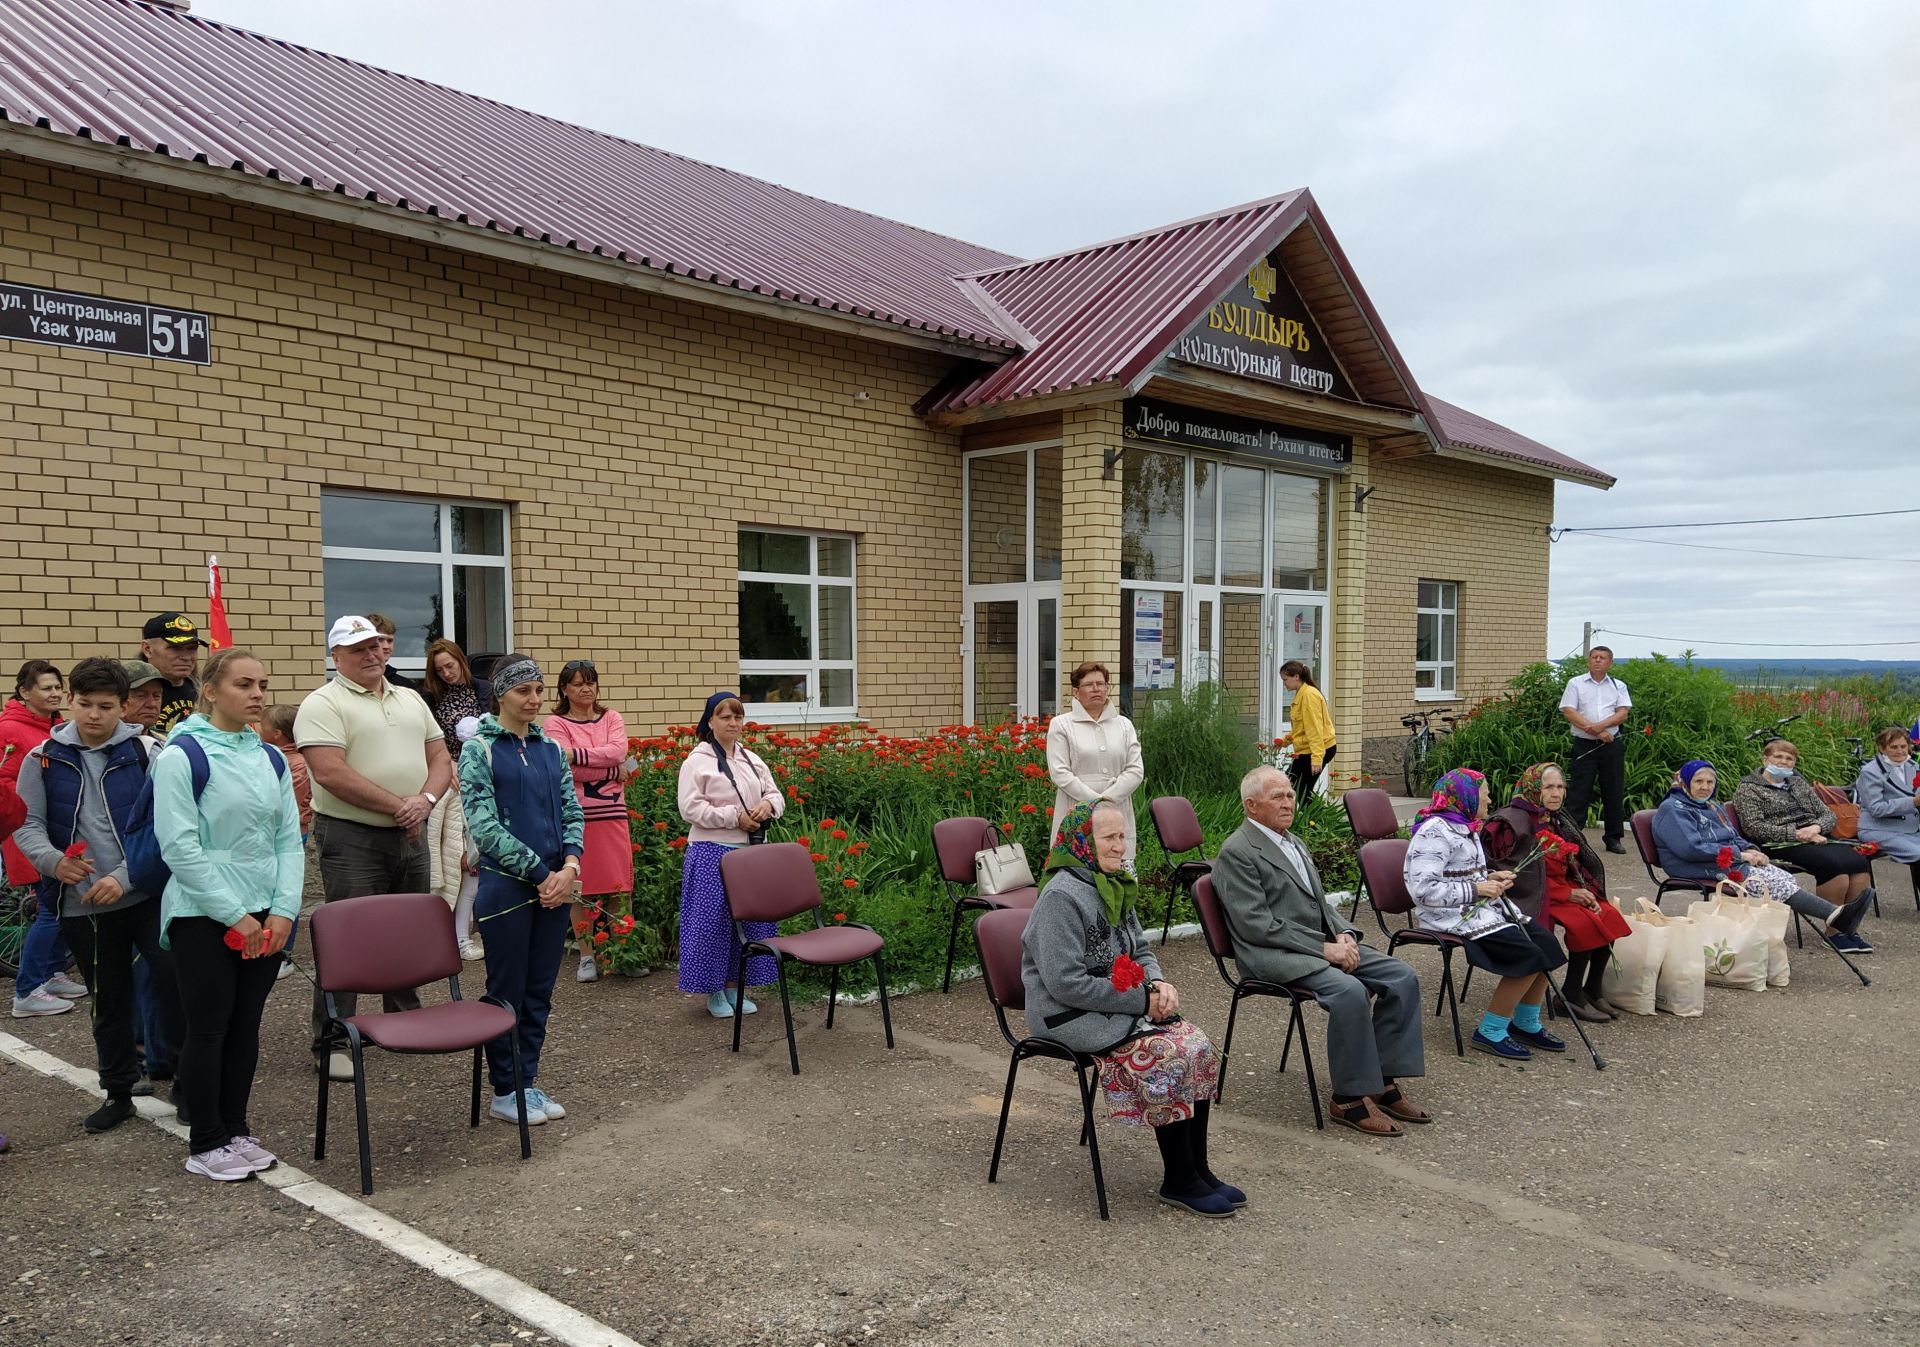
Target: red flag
{"x": 219, "y": 634}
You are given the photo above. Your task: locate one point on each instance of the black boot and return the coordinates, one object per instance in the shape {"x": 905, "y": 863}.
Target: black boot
{"x": 116, "y": 1110}
{"x": 1197, "y": 1145}
{"x": 1183, "y": 1187}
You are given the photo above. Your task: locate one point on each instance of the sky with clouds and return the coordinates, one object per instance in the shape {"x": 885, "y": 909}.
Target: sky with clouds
{"x": 1675, "y": 241}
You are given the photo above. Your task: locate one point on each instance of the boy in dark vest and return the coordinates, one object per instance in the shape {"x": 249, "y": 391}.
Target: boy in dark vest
{"x": 80, "y": 788}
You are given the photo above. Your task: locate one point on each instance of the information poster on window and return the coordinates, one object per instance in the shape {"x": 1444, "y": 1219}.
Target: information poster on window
{"x": 1149, "y": 637}
{"x": 1301, "y": 639}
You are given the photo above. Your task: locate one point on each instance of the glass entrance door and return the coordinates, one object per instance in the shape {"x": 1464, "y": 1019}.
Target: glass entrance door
{"x": 1303, "y": 624}
{"x": 1012, "y": 653}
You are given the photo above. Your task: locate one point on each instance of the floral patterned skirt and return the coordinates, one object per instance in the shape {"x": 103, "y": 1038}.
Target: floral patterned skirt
{"x": 1158, "y": 1077}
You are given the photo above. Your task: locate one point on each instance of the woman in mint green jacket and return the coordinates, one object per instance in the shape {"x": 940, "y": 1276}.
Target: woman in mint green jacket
{"x": 228, "y": 910}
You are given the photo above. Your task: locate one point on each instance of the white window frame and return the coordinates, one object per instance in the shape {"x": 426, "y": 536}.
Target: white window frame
{"x": 810, "y": 711}
{"x": 1448, "y": 589}
{"x": 446, "y": 558}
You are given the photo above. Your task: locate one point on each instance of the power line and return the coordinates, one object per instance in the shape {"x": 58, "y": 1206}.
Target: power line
{"x": 1769, "y": 645}
{"x": 1751, "y": 551}
{"x": 1726, "y": 523}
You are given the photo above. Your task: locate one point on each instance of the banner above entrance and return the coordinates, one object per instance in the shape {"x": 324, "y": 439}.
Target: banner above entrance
{"x": 1261, "y": 329}
{"x": 1193, "y": 428}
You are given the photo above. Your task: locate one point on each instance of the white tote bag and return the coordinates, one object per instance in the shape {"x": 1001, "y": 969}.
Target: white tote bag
{"x": 1681, "y": 988}
{"x": 1634, "y": 968}
{"x": 1733, "y": 941}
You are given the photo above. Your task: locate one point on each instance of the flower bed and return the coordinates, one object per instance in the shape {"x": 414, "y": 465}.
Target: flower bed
{"x": 864, "y": 806}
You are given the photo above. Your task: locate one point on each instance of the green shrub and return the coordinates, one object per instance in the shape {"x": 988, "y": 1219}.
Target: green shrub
{"x": 1198, "y": 742}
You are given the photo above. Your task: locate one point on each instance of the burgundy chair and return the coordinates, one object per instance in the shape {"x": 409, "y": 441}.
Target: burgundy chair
{"x": 772, "y": 882}
{"x": 391, "y": 942}
{"x": 1800, "y": 922}
{"x": 1383, "y": 867}
{"x": 999, "y": 936}
{"x": 1213, "y": 924}
{"x": 956, "y": 841}
{"x": 1641, "y": 825}
{"x": 1178, "y": 829}
{"x": 1370, "y": 815}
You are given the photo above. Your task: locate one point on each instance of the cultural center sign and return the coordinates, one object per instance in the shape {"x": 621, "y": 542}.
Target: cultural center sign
{"x": 1193, "y": 428}
{"x": 1261, "y": 329}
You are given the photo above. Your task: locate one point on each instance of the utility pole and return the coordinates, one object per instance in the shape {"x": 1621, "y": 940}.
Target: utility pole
{"x": 1586, "y": 639}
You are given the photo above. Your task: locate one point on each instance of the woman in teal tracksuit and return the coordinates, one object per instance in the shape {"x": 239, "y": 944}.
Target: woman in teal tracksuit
{"x": 525, "y": 821}
{"x": 228, "y": 910}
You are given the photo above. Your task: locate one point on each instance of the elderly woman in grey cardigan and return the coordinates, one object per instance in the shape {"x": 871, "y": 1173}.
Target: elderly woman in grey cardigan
{"x": 1093, "y": 984}
{"x": 1889, "y": 799}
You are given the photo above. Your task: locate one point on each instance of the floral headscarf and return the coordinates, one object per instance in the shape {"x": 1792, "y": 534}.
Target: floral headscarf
{"x": 1527, "y": 790}
{"x": 1456, "y": 798}
{"x": 1118, "y": 889}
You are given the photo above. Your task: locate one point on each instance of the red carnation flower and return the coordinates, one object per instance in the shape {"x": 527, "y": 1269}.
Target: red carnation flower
{"x": 76, "y": 850}
{"x": 623, "y": 925}
{"x": 1724, "y": 858}
{"x": 1868, "y": 848}
{"x": 1737, "y": 876}
{"x": 1127, "y": 974}
{"x": 233, "y": 939}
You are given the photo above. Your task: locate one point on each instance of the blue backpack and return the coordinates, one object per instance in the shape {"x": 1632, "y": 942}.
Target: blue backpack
{"x": 146, "y": 868}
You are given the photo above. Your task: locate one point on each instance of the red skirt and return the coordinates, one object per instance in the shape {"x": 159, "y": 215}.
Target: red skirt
{"x": 1587, "y": 928}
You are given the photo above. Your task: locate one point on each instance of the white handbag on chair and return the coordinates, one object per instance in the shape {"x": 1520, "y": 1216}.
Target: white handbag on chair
{"x": 1001, "y": 869}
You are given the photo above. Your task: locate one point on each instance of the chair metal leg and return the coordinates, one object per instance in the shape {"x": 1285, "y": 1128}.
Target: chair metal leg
{"x": 474, "y": 1119}
{"x": 1799, "y": 921}
{"x": 886, "y": 1010}
{"x": 1166, "y": 924}
{"x": 519, "y": 1091}
{"x": 1553, "y": 991}
{"x": 1306, "y": 1060}
{"x": 1466, "y": 984}
{"x": 739, "y": 990}
{"x": 953, "y": 935}
{"x": 1093, "y": 1142}
{"x": 1286, "y": 1048}
{"x": 1453, "y": 1001}
{"x": 786, "y": 1010}
{"x": 833, "y": 992}
{"x": 320, "y": 1121}
{"x": 1006, "y": 1105}
{"x": 1226, "y": 1045}
{"x": 360, "y": 1111}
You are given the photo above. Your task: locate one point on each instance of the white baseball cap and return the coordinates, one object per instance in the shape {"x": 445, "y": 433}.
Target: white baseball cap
{"x": 351, "y": 631}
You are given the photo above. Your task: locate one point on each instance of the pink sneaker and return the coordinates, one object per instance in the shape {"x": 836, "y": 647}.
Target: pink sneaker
{"x": 250, "y": 1150}
{"x": 223, "y": 1164}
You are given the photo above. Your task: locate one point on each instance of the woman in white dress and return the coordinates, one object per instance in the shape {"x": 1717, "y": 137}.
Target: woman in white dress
{"x": 1093, "y": 752}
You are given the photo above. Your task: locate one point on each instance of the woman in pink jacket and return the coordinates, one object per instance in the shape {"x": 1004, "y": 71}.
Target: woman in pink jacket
{"x": 729, "y": 798}
{"x": 594, "y": 738}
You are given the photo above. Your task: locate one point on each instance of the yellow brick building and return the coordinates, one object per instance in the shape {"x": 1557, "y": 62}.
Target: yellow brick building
{"x": 702, "y": 430}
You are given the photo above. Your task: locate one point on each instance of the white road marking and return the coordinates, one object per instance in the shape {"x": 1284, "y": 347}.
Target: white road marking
{"x": 531, "y": 1306}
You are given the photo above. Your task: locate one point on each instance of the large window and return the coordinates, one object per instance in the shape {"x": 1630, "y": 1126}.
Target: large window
{"x": 796, "y": 625}
{"x": 436, "y": 567}
{"x": 1436, "y": 635}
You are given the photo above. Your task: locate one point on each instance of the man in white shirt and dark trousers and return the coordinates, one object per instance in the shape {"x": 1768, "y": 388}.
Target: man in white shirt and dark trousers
{"x": 1595, "y": 705}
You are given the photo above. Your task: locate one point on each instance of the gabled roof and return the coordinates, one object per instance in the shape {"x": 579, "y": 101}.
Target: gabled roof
{"x": 157, "y": 80}
{"x": 1462, "y": 430}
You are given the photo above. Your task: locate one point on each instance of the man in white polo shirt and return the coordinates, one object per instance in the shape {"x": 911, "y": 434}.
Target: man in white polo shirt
{"x": 1595, "y": 705}
{"x": 379, "y": 764}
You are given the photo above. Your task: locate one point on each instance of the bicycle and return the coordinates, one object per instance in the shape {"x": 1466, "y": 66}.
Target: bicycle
{"x": 1773, "y": 731}
{"x": 1421, "y": 739}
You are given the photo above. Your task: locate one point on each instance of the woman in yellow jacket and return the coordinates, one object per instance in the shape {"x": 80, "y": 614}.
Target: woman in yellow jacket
{"x": 1312, "y": 737}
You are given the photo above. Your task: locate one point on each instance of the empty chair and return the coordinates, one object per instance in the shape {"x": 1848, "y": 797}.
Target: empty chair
{"x": 1383, "y": 867}
{"x": 390, "y": 942}
{"x": 956, "y": 841}
{"x": 1213, "y": 924}
{"x": 1370, "y": 815}
{"x": 1178, "y": 829}
{"x": 999, "y": 934}
{"x": 772, "y": 882}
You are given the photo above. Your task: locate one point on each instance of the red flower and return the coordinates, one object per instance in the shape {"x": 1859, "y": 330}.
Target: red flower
{"x": 804, "y": 841}
{"x": 678, "y": 843}
{"x": 1006, "y": 827}
{"x": 233, "y": 939}
{"x": 1868, "y": 848}
{"x": 635, "y": 848}
{"x": 839, "y": 835}
{"x": 826, "y": 823}
{"x": 850, "y": 883}
{"x": 1724, "y": 858}
{"x": 599, "y": 937}
{"x": 77, "y": 849}
{"x": 1737, "y": 876}
{"x": 623, "y": 925}
{"x": 659, "y": 827}
{"x": 816, "y": 856}
{"x": 839, "y": 916}
{"x": 1049, "y": 811}
{"x": 1127, "y": 974}
{"x": 1648, "y": 731}
{"x": 1029, "y": 808}
{"x": 583, "y": 926}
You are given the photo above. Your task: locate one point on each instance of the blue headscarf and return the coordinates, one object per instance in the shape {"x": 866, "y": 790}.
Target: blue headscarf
{"x": 703, "y": 732}
{"x": 1688, "y": 770}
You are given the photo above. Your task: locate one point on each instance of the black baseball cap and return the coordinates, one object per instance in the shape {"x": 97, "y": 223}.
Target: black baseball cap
{"x": 173, "y": 628}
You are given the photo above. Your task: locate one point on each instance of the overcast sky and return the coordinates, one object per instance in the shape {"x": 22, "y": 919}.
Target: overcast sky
{"x": 1675, "y": 241}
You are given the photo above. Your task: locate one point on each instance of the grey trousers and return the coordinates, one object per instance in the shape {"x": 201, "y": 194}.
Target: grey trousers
{"x": 1368, "y": 1044}
{"x": 357, "y": 859}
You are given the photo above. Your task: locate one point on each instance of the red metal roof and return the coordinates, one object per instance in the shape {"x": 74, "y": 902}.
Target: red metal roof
{"x": 1458, "y": 426}
{"x": 1103, "y": 314}
{"x": 158, "y": 80}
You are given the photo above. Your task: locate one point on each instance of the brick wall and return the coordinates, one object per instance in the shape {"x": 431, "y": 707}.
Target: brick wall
{"x": 1440, "y": 519}
{"x": 631, "y": 436}
{"x": 1090, "y": 545}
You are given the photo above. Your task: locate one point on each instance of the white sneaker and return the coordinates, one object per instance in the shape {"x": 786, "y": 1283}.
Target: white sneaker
{"x": 250, "y": 1150}
{"x": 286, "y": 967}
{"x": 223, "y": 1164}
{"x": 471, "y": 951}
{"x": 62, "y": 985}
{"x": 26, "y": 1007}
{"x": 506, "y": 1107}
{"x": 551, "y": 1107}
{"x": 589, "y": 970}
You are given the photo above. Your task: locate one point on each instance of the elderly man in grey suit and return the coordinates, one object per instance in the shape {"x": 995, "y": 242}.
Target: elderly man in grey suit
{"x": 1283, "y": 931}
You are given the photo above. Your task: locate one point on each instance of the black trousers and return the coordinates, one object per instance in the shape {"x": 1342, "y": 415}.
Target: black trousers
{"x": 1592, "y": 759}
{"x": 1303, "y": 772}
{"x": 104, "y": 944}
{"x": 224, "y": 996}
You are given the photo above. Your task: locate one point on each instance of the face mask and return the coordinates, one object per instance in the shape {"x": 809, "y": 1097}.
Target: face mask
{"x": 1777, "y": 772}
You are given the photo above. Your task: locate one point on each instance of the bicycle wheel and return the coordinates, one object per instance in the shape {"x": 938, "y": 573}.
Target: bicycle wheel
{"x": 17, "y": 909}
{"x": 1413, "y": 764}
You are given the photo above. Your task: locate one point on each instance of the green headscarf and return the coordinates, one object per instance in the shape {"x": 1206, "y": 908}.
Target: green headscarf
{"x": 1118, "y": 889}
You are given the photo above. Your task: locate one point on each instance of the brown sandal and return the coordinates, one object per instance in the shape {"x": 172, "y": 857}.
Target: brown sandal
{"x": 1364, "y": 1118}
{"x": 1396, "y": 1105}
